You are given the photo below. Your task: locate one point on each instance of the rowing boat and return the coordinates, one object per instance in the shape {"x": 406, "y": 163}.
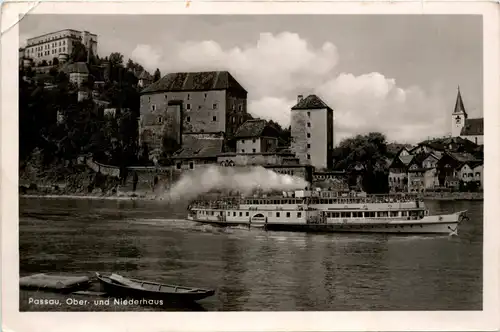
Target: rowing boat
{"x": 119, "y": 286}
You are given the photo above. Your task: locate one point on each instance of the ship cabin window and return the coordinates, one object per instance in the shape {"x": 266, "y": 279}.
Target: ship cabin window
{"x": 404, "y": 213}
{"x": 357, "y": 214}
{"x": 370, "y": 214}
{"x": 277, "y": 214}
{"x": 234, "y": 214}
{"x": 299, "y": 214}
{"x": 393, "y": 213}
{"x": 288, "y": 214}
{"x": 345, "y": 214}
{"x": 246, "y": 214}
{"x": 241, "y": 214}
{"x": 383, "y": 214}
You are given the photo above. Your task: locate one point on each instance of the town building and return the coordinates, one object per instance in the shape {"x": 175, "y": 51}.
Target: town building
{"x": 312, "y": 132}
{"x": 145, "y": 79}
{"x": 256, "y": 136}
{"x": 210, "y": 102}
{"x": 462, "y": 126}
{"x": 58, "y": 45}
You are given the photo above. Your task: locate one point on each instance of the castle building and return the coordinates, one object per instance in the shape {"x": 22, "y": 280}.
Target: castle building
{"x": 58, "y": 45}
{"x": 191, "y": 103}
{"x": 462, "y": 126}
{"x": 312, "y": 132}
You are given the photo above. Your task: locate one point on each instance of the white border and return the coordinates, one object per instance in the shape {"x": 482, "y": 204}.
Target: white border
{"x": 485, "y": 320}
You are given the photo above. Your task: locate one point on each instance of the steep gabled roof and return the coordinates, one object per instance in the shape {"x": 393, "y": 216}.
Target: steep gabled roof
{"x": 462, "y": 157}
{"x": 407, "y": 159}
{"x": 255, "y": 128}
{"x": 195, "y": 81}
{"x": 473, "y": 127}
{"x": 145, "y": 75}
{"x": 310, "y": 102}
{"x": 459, "y": 104}
{"x": 194, "y": 148}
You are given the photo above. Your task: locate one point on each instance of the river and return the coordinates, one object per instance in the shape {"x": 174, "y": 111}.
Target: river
{"x": 253, "y": 270}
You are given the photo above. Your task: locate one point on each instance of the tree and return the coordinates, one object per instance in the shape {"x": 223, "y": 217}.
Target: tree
{"x": 368, "y": 152}
{"x": 157, "y": 75}
{"x": 116, "y": 59}
{"x": 55, "y": 61}
{"x": 78, "y": 53}
{"x": 43, "y": 63}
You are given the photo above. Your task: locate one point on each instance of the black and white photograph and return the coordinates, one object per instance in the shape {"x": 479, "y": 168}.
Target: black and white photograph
{"x": 179, "y": 162}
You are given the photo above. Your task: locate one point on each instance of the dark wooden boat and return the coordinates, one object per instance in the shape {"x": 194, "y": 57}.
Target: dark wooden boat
{"x": 118, "y": 286}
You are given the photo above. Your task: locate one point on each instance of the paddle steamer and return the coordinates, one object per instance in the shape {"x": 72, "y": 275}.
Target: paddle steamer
{"x": 326, "y": 211}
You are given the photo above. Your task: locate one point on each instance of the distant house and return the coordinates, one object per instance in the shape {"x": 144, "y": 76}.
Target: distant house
{"x": 78, "y": 72}
{"x": 256, "y": 136}
{"x": 145, "y": 79}
{"x": 197, "y": 150}
{"x": 450, "y": 164}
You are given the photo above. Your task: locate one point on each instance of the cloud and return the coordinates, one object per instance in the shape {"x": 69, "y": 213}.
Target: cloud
{"x": 276, "y": 68}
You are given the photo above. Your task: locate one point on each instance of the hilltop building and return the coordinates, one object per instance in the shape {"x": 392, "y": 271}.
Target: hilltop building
{"x": 312, "y": 132}
{"x": 58, "y": 44}
{"x": 462, "y": 126}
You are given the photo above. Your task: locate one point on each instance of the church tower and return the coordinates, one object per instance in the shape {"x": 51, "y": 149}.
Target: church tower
{"x": 458, "y": 116}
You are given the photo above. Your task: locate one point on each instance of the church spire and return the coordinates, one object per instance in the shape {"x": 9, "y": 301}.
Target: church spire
{"x": 459, "y": 104}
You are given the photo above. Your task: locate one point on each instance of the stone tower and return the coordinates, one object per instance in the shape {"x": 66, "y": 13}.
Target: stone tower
{"x": 458, "y": 116}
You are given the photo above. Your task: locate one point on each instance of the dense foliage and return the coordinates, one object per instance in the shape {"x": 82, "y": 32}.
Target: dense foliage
{"x": 52, "y": 120}
{"x": 364, "y": 158}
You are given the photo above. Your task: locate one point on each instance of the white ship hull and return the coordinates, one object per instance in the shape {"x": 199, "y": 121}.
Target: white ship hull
{"x": 439, "y": 224}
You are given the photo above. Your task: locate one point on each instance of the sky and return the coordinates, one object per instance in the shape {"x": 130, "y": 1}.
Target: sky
{"x": 396, "y": 74}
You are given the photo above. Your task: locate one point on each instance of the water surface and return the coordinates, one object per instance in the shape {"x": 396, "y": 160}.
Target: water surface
{"x": 252, "y": 269}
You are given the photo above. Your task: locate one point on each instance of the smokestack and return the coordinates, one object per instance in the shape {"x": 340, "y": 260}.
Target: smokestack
{"x": 299, "y": 98}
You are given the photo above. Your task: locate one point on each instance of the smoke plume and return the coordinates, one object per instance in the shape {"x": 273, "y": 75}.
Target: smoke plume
{"x": 245, "y": 181}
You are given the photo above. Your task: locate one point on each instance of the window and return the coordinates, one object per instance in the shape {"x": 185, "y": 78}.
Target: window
{"x": 178, "y": 165}
{"x": 205, "y": 96}
{"x": 153, "y": 107}
{"x": 188, "y": 119}
{"x": 214, "y": 118}
{"x": 241, "y": 214}
{"x": 149, "y": 99}
{"x": 243, "y": 141}
{"x": 253, "y": 150}
{"x": 191, "y": 165}
{"x": 299, "y": 214}
{"x": 160, "y": 119}
{"x": 308, "y": 156}
{"x": 253, "y": 140}
{"x": 308, "y": 135}
{"x": 214, "y": 106}
{"x": 234, "y": 214}
{"x": 166, "y": 97}
{"x": 308, "y": 145}
{"x": 234, "y": 119}
{"x": 246, "y": 214}
{"x": 188, "y": 106}
{"x": 288, "y": 214}
{"x": 308, "y": 113}
{"x": 277, "y": 214}
{"x": 189, "y": 97}
{"x": 309, "y": 124}
{"x": 240, "y": 108}
{"x": 242, "y": 150}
